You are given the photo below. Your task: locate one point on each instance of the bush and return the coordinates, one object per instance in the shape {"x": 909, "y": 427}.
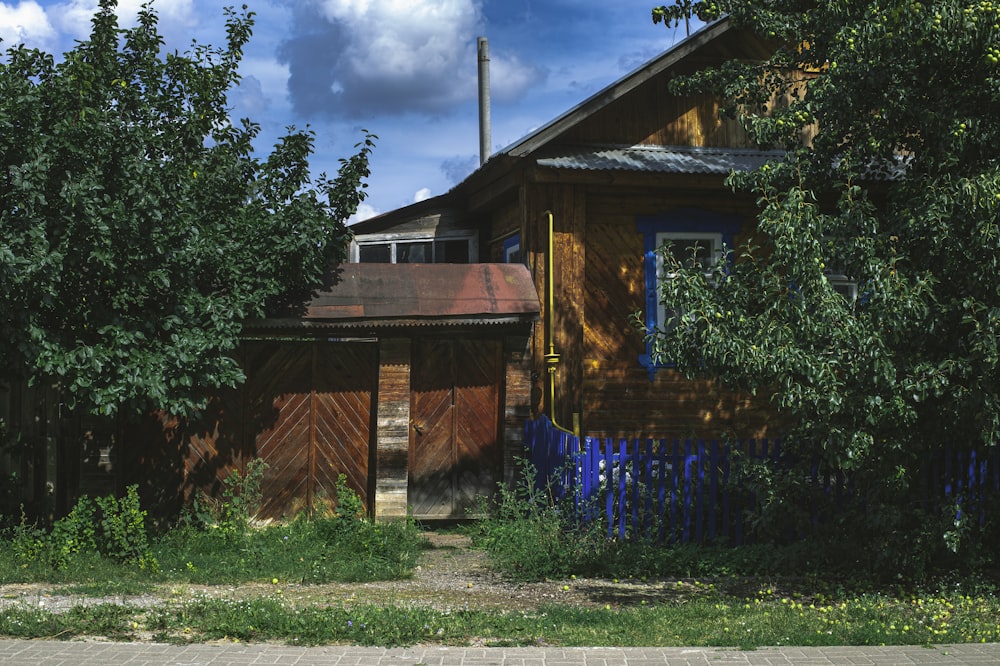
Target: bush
{"x": 110, "y": 527}
{"x": 529, "y": 537}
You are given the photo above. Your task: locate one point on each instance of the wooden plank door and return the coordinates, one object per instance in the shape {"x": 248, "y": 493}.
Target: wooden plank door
{"x": 310, "y": 411}
{"x": 455, "y": 447}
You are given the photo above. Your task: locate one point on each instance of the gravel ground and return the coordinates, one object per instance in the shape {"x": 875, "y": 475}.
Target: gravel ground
{"x": 450, "y": 575}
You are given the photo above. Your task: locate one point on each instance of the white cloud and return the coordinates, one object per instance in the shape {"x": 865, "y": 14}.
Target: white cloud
{"x": 382, "y": 57}
{"x": 406, "y": 38}
{"x": 265, "y": 82}
{"x": 25, "y": 23}
{"x": 364, "y": 212}
{"x": 422, "y": 194}
{"x": 177, "y": 17}
{"x": 510, "y": 78}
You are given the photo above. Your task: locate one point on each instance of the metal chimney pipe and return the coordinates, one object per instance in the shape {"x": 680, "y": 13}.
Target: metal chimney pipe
{"x": 484, "y": 100}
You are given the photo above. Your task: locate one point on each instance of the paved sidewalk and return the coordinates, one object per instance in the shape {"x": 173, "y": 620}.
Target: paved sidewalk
{"x": 36, "y": 653}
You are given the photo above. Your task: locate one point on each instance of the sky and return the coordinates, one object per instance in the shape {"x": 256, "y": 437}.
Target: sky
{"x": 404, "y": 70}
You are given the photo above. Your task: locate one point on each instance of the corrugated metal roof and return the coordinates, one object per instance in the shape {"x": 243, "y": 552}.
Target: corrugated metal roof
{"x": 661, "y": 159}
{"x": 380, "y": 295}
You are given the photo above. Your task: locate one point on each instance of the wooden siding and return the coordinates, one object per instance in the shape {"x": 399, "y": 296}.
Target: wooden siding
{"x": 518, "y": 387}
{"x": 393, "y": 435}
{"x": 568, "y": 206}
{"x": 619, "y": 397}
{"x": 175, "y": 460}
{"x": 651, "y": 115}
{"x": 505, "y": 222}
{"x": 599, "y": 284}
{"x": 305, "y": 410}
{"x": 33, "y": 413}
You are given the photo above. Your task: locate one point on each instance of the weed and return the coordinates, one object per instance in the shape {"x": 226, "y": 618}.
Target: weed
{"x": 123, "y": 530}
{"x": 529, "y": 537}
{"x": 231, "y": 514}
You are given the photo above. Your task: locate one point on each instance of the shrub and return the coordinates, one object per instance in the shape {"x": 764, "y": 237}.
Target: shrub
{"x": 529, "y": 537}
{"x": 122, "y": 535}
{"x": 107, "y": 526}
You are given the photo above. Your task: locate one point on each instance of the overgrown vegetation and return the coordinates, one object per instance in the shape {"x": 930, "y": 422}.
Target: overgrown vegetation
{"x": 103, "y": 545}
{"x": 108, "y": 527}
{"x": 697, "y": 615}
{"x": 531, "y": 537}
{"x": 746, "y": 597}
{"x": 863, "y": 302}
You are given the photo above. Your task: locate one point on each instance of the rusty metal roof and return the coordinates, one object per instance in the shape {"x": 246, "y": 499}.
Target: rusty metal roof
{"x": 392, "y": 295}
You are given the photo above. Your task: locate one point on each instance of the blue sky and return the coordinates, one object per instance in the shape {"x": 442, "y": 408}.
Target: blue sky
{"x": 402, "y": 69}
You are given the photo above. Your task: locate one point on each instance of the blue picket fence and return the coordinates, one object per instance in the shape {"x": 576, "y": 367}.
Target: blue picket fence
{"x": 680, "y": 491}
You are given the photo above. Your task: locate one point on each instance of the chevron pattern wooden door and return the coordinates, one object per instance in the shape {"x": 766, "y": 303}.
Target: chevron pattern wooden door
{"x": 455, "y": 449}
{"x": 310, "y": 410}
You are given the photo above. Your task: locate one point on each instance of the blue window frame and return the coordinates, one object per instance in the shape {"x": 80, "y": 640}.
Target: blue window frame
{"x": 685, "y": 227}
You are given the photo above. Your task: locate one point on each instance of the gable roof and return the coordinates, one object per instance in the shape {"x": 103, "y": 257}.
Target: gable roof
{"x": 541, "y": 147}
{"x": 601, "y": 99}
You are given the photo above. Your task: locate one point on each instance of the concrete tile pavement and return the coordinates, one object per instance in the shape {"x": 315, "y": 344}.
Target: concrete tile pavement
{"x": 70, "y": 653}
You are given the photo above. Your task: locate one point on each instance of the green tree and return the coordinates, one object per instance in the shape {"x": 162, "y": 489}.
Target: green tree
{"x": 137, "y": 228}
{"x": 898, "y": 190}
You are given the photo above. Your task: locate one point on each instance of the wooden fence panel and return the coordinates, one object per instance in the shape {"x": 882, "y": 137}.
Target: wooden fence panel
{"x": 456, "y": 452}
{"x": 345, "y": 380}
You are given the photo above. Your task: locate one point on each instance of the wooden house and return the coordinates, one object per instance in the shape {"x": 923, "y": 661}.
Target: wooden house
{"x": 583, "y": 202}
{"x": 414, "y": 370}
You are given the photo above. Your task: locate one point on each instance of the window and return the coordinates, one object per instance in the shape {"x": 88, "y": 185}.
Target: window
{"x": 705, "y": 249}
{"x": 843, "y": 285}
{"x": 415, "y": 251}
{"x": 685, "y": 229}
{"x": 375, "y": 253}
{"x": 512, "y": 250}
{"x": 836, "y": 274}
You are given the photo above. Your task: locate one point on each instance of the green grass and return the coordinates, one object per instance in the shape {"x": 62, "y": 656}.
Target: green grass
{"x": 304, "y": 551}
{"x": 704, "y": 620}
{"x": 743, "y": 597}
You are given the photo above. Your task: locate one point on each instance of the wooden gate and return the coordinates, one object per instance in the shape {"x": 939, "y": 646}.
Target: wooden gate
{"x": 310, "y": 412}
{"x": 455, "y": 444}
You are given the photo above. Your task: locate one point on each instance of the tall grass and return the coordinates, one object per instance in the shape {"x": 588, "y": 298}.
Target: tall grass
{"x": 104, "y": 544}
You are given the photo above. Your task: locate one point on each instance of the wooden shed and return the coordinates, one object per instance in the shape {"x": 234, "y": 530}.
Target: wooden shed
{"x": 412, "y": 381}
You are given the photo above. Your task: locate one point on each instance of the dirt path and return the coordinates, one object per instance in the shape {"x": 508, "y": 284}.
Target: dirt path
{"x": 450, "y": 575}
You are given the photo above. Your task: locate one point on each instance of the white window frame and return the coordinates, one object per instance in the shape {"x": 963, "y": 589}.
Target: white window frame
{"x": 843, "y": 285}
{"x": 395, "y": 239}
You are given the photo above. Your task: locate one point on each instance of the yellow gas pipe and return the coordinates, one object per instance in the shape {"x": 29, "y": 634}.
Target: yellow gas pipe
{"x": 552, "y": 358}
